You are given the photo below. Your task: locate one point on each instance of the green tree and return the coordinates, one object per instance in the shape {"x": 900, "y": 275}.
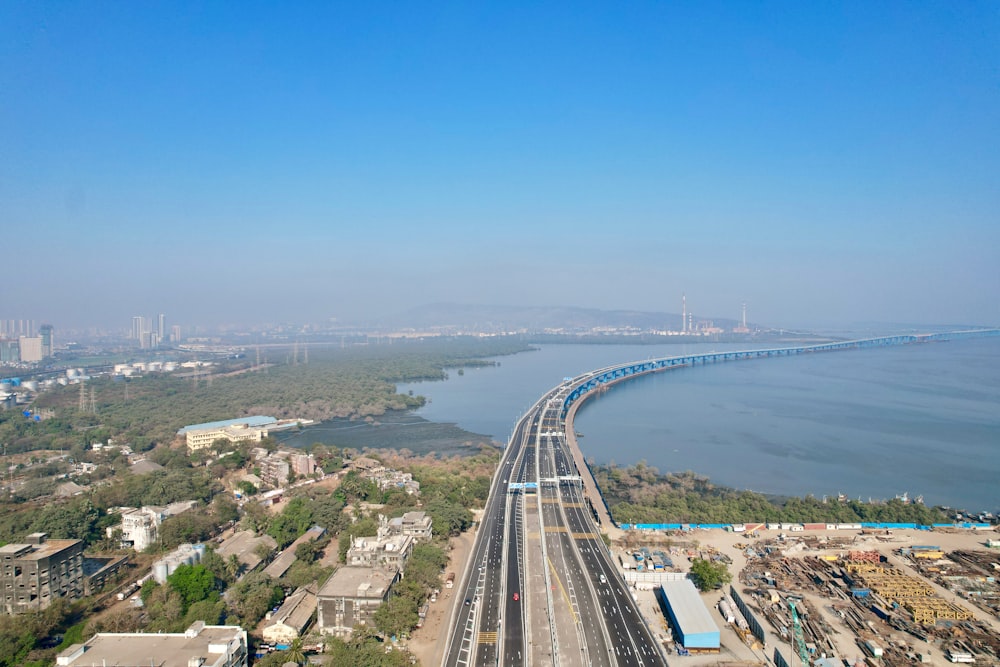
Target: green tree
{"x": 193, "y": 583}
{"x": 708, "y": 575}
{"x": 396, "y": 615}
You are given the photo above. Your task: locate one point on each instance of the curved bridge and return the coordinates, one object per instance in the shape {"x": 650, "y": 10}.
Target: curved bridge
{"x": 604, "y": 377}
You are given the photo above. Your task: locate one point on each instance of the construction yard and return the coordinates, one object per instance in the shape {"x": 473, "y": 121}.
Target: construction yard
{"x": 888, "y": 598}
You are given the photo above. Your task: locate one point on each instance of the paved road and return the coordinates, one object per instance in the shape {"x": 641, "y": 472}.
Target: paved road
{"x": 540, "y": 587}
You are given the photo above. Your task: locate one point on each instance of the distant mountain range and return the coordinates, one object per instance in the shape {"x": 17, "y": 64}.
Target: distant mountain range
{"x": 535, "y": 318}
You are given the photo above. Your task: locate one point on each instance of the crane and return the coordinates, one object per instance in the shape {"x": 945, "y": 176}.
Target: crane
{"x": 800, "y": 643}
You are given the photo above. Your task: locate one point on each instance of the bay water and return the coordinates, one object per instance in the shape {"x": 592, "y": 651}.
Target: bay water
{"x": 921, "y": 420}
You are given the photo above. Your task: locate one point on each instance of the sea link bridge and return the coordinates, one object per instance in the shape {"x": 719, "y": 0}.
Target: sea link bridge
{"x": 611, "y": 375}
{"x": 540, "y": 586}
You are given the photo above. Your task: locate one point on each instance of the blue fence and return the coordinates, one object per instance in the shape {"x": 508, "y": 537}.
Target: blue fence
{"x": 875, "y": 526}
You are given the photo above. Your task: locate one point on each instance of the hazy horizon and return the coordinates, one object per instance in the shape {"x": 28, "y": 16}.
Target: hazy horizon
{"x": 824, "y": 164}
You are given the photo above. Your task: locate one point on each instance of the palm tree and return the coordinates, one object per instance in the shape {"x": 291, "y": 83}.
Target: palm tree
{"x": 295, "y": 653}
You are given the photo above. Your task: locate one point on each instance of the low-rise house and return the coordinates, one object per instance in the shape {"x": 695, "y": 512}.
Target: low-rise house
{"x": 277, "y": 568}
{"x": 246, "y": 546}
{"x": 292, "y": 616}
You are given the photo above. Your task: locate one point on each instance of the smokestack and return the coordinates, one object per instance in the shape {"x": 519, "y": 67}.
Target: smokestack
{"x": 684, "y": 313}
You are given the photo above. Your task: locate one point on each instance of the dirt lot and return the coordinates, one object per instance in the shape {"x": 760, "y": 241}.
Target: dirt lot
{"x": 821, "y": 546}
{"x": 428, "y": 643}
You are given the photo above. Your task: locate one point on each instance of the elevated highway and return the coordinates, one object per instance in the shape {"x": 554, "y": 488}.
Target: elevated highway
{"x": 540, "y": 587}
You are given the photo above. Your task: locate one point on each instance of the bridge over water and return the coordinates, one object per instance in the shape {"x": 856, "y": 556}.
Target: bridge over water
{"x": 581, "y": 386}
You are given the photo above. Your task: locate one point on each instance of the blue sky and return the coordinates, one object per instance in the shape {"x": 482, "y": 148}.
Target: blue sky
{"x": 242, "y": 162}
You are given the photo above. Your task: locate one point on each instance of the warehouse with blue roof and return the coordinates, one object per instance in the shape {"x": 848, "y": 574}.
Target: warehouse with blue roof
{"x": 688, "y": 615}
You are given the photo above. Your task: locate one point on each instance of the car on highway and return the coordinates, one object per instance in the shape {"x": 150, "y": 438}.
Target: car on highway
{"x": 468, "y": 601}
{"x": 517, "y": 596}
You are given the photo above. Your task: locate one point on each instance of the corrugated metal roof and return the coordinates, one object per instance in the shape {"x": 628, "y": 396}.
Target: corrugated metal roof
{"x": 256, "y": 420}
{"x": 691, "y": 614}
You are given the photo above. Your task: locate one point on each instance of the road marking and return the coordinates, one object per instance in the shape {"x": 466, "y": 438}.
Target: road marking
{"x": 562, "y": 590}
{"x": 487, "y": 638}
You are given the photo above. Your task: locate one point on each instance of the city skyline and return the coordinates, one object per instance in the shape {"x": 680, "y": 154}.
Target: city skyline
{"x": 826, "y": 164}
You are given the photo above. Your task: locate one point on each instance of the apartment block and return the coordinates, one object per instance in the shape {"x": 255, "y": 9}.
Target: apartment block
{"x": 35, "y": 573}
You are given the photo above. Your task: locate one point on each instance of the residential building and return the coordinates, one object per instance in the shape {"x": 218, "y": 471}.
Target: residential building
{"x": 31, "y": 348}
{"x": 350, "y": 597}
{"x": 199, "y": 646}
{"x": 10, "y": 351}
{"x": 45, "y": 333}
{"x": 140, "y": 527}
{"x": 415, "y": 524}
{"x": 36, "y": 572}
{"x": 292, "y": 616}
{"x": 274, "y": 470}
{"x": 387, "y": 478}
{"x": 384, "y": 551}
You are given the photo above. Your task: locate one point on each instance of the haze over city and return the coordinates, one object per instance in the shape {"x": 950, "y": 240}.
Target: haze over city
{"x": 826, "y": 164}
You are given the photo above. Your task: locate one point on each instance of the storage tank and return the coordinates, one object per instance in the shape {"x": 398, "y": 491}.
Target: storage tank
{"x": 726, "y": 611}
{"x": 30, "y": 385}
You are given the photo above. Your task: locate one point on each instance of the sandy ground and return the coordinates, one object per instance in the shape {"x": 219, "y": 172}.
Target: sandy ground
{"x": 734, "y": 650}
{"x": 429, "y": 642}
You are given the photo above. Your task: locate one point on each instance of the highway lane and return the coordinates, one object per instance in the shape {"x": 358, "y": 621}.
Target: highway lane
{"x": 582, "y": 637}
{"x": 633, "y": 643}
{"x": 476, "y": 626}
{"x": 482, "y": 573}
{"x": 578, "y": 610}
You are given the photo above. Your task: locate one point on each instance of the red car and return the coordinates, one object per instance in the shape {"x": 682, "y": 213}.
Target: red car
{"x": 517, "y": 596}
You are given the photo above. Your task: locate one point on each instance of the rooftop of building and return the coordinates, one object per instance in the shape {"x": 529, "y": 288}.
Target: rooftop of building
{"x": 297, "y": 609}
{"x": 358, "y": 582}
{"x": 687, "y": 606}
{"x": 280, "y": 565}
{"x": 256, "y": 420}
{"x": 145, "y": 466}
{"x": 244, "y": 545}
{"x": 167, "y": 649}
{"x": 36, "y": 547}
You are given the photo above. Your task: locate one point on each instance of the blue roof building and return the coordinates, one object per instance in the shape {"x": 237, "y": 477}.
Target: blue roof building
{"x": 690, "y": 618}
{"x": 250, "y": 422}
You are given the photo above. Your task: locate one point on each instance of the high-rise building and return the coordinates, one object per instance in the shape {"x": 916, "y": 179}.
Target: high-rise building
{"x": 10, "y": 351}
{"x": 45, "y": 331}
{"x": 161, "y": 327}
{"x": 175, "y": 334}
{"x": 138, "y": 327}
{"x": 31, "y": 348}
